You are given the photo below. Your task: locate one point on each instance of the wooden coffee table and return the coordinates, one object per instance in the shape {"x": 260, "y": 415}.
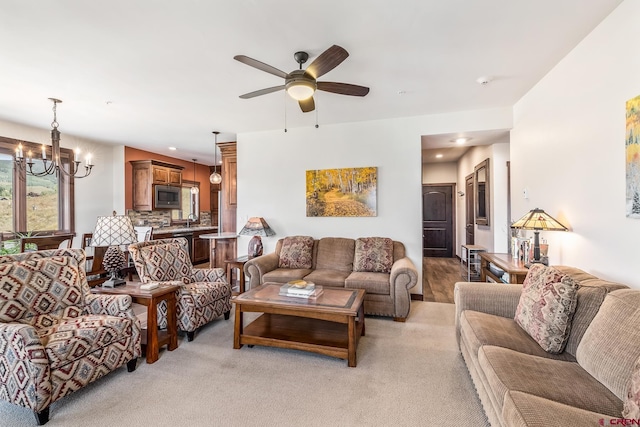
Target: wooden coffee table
{"x": 331, "y": 324}
{"x": 154, "y": 338}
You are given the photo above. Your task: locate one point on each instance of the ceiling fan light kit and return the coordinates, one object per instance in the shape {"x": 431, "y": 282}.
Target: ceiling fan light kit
{"x": 301, "y": 84}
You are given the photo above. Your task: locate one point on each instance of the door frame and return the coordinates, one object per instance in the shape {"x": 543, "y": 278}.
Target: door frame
{"x": 469, "y": 206}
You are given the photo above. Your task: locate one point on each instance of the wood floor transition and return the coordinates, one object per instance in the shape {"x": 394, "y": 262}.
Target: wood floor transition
{"x": 439, "y": 275}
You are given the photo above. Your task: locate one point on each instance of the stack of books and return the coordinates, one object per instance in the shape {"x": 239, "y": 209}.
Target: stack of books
{"x": 300, "y": 289}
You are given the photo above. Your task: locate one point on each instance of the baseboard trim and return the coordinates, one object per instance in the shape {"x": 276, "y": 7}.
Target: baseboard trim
{"x": 417, "y": 297}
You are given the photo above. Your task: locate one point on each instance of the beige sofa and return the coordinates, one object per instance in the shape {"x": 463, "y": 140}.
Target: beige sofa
{"x": 332, "y": 264}
{"x": 520, "y": 384}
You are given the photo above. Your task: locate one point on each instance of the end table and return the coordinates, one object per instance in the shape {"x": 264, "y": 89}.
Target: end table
{"x": 239, "y": 264}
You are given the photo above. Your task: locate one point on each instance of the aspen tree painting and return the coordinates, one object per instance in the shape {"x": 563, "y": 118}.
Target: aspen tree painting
{"x": 342, "y": 192}
{"x": 632, "y": 150}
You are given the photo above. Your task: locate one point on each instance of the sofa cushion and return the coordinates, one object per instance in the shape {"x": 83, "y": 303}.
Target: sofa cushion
{"x": 373, "y": 254}
{"x": 73, "y": 339}
{"x": 38, "y": 291}
{"x": 478, "y": 329}
{"x": 609, "y": 350}
{"x": 296, "y": 252}
{"x": 546, "y": 307}
{"x": 523, "y": 409}
{"x": 284, "y": 275}
{"x": 335, "y": 253}
{"x": 632, "y": 401}
{"x": 373, "y": 283}
{"x": 326, "y": 277}
{"x": 561, "y": 381}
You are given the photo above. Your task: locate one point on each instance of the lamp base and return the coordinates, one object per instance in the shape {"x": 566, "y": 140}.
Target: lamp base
{"x": 255, "y": 247}
{"x": 113, "y": 262}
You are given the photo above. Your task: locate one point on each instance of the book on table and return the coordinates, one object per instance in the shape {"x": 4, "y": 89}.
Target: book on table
{"x": 300, "y": 289}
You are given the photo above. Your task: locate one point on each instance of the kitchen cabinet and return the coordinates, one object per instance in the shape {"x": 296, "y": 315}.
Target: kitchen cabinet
{"x": 200, "y": 247}
{"x": 146, "y": 174}
{"x": 228, "y": 190}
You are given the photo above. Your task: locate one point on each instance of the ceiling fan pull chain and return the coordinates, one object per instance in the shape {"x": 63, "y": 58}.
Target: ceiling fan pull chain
{"x": 285, "y": 111}
{"x": 317, "y": 114}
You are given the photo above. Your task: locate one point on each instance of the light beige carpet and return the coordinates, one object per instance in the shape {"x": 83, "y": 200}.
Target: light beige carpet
{"x": 408, "y": 374}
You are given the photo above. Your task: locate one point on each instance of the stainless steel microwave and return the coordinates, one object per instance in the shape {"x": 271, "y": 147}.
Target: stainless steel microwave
{"x": 166, "y": 197}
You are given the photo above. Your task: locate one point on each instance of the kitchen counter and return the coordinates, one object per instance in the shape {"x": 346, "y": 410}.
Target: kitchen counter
{"x": 222, "y": 247}
{"x": 184, "y": 229}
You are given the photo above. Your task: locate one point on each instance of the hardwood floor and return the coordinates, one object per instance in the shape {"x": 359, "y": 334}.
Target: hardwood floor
{"x": 439, "y": 276}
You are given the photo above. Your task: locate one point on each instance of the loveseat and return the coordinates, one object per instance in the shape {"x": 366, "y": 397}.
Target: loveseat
{"x": 55, "y": 336}
{"x": 579, "y": 374}
{"x": 376, "y": 264}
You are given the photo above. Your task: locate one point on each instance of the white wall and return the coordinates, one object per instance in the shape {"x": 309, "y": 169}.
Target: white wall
{"x": 272, "y": 165}
{"x": 494, "y": 236}
{"x": 94, "y": 195}
{"x": 439, "y": 173}
{"x": 567, "y": 148}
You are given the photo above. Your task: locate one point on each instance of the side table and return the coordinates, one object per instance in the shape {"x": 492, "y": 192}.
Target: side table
{"x": 470, "y": 262}
{"x": 154, "y": 338}
{"x": 510, "y": 270}
{"x": 239, "y": 264}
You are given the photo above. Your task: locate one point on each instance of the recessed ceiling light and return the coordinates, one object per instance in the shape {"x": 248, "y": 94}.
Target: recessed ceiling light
{"x": 438, "y": 156}
{"x": 172, "y": 148}
{"x": 461, "y": 140}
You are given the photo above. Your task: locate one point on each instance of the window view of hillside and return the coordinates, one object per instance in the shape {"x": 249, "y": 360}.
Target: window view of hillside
{"x": 42, "y": 199}
{"x": 6, "y": 193}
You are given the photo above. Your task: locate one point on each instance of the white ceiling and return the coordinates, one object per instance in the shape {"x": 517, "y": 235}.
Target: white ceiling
{"x": 157, "y": 73}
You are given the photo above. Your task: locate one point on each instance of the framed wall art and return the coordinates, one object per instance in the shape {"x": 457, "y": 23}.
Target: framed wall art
{"x": 342, "y": 192}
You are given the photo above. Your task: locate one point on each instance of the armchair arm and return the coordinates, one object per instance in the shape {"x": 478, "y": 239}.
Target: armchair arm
{"x": 23, "y": 351}
{"x": 112, "y": 305}
{"x": 492, "y": 298}
{"x": 403, "y": 277}
{"x": 208, "y": 275}
{"x": 255, "y": 268}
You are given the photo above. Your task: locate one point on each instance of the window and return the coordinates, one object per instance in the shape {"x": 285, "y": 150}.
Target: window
{"x": 30, "y": 204}
{"x": 189, "y": 203}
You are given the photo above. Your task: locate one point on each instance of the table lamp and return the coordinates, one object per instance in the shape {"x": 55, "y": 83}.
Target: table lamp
{"x": 536, "y": 220}
{"x": 256, "y": 227}
{"x": 113, "y": 231}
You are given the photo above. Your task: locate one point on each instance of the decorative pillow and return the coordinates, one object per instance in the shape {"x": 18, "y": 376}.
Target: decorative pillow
{"x": 296, "y": 252}
{"x": 632, "y": 402}
{"x": 546, "y": 307}
{"x": 373, "y": 254}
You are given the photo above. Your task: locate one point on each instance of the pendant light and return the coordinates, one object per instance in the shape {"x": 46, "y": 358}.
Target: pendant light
{"x": 215, "y": 177}
{"x": 194, "y": 190}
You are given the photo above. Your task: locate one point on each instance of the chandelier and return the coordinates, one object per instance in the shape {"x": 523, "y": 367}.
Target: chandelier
{"x": 52, "y": 166}
{"x": 215, "y": 177}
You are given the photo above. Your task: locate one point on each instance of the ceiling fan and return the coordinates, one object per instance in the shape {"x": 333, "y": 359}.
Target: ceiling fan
{"x": 301, "y": 84}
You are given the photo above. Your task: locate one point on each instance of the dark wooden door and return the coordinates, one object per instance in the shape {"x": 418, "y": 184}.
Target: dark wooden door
{"x": 470, "y": 229}
{"x": 437, "y": 220}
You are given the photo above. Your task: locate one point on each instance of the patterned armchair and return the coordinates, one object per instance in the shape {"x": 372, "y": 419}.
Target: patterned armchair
{"x": 205, "y": 293}
{"x": 55, "y": 336}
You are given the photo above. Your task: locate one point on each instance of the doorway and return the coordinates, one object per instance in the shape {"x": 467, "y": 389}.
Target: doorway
{"x": 470, "y": 229}
{"x": 438, "y": 220}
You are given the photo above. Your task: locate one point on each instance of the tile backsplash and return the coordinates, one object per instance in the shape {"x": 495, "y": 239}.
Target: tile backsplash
{"x": 160, "y": 218}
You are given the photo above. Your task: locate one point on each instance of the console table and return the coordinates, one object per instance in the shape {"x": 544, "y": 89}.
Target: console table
{"x": 490, "y": 263}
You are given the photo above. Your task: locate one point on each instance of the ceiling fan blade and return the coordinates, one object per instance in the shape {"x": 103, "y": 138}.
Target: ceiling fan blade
{"x": 327, "y": 61}
{"x": 343, "y": 88}
{"x": 307, "y": 105}
{"x": 261, "y": 92}
{"x": 260, "y": 65}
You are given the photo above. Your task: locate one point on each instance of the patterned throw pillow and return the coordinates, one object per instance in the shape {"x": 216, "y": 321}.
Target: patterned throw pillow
{"x": 546, "y": 307}
{"x": 632, "y": 402}
{"x": 373, "y": 254}
{"x": 296, "y": 252}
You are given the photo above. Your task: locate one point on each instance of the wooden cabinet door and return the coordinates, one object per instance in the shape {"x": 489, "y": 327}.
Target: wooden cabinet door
{"x": 200, "y": 248}
{"x": 142, "y": 189}
{"x": 175, "y": 177}
{"x": 160, "y": 175}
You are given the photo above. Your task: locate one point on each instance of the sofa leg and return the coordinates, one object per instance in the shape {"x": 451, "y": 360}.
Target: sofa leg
{"x": 226, "y": 315}
{"x": 400, "y": 319}
{"x": 42, "y": 417}
{"x": 131, "y": 365}
{"x": 190, "y": 335}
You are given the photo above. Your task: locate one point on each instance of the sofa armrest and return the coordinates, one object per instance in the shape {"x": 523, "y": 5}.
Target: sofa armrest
{"x": 492, "y": 298}
{"x": 23, "y": 351}
{"x": 255, "y": 268}
{"x": 208, "y": 275}
{"x": 403, "y": 277}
